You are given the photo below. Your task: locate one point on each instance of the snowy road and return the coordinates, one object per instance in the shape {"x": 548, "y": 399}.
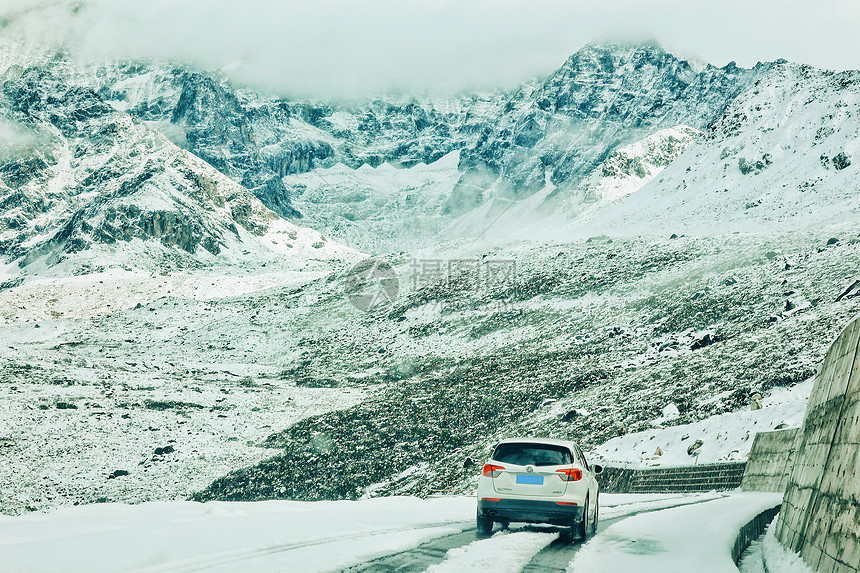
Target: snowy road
{"x": 400, "y": 534}
{"x": 554, "y": 551}
{"x": 553, "y": 557}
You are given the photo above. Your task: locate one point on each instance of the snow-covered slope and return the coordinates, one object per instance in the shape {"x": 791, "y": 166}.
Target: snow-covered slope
{"x": 725, "y": 437}
{"x": 552, "y": 212}
{"x": 379, "y": 209}
{"x": 783, "y": 155}
{"x": 629, "y": 168}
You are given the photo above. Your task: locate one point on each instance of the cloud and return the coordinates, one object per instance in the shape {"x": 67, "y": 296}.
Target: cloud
{"x": 14, "y": 139}
{"x": 351, "y": 48}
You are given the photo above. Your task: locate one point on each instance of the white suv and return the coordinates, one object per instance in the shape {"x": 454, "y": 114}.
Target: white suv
{"x": 537, "y": 480}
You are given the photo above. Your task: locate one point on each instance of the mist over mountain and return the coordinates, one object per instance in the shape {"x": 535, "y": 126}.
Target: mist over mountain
{"x": 336, "y": 49}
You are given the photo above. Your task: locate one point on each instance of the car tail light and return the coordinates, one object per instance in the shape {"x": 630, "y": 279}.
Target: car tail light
{"x": 565, "y": 503}
{"x": 492, "y": 471}
{"x": 570, "y": 474}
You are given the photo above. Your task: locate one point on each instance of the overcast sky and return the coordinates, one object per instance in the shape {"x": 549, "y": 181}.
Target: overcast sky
{"x": 355, "y": 48}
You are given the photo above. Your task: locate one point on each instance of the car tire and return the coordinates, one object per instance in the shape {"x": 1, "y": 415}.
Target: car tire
{"x": 580, "y": 528}
{"x": 485, "y": 525}
{"x": 596, "y": 514}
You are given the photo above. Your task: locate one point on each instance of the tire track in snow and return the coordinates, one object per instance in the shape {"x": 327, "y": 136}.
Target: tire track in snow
{"x": 556, "y": 556}
{"x": 552, "y": 558}
{"x": 230, "y": 557}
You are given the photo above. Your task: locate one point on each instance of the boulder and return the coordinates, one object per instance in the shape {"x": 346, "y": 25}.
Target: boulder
{"x": 841, "y": 161}
{"x": 694, "y": 447}
{"x": 670, "y": 410}
{"x": 703, "y": 341}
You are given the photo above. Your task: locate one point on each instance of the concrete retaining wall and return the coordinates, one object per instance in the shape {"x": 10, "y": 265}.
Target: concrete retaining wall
{"x": 820, "y": 516}
{"x": 770, "y": 461}
{"x": 684, "y": 479}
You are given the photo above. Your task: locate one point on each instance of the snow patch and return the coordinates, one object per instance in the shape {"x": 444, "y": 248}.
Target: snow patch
{"x": 503, "y": 553}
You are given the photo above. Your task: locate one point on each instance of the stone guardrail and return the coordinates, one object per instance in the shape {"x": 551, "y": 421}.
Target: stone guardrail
{"x": 680, "y": 479}
{"x": 751, "y": 531}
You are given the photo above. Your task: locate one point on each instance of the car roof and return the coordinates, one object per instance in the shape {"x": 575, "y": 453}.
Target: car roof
{"x": 549, "y": 441}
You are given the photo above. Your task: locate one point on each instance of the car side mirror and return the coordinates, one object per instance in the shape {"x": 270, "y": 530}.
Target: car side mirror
{"x": 596, "y": 469}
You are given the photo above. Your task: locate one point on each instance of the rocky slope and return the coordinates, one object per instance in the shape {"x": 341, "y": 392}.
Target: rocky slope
{"x": 781, "y": 156}
{"x": 290, "y": 384}
{"x": 590, "y": 337}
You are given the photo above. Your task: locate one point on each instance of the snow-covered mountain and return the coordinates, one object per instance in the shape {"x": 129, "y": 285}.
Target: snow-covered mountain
{"x": 783, "y": 155}
{"x": 257, "y": 139}
{"x": 537, "y": 143}
{"x": 606, "y": 95}
{"x": 85, "y": 187}
{"x": 546, "y": 158}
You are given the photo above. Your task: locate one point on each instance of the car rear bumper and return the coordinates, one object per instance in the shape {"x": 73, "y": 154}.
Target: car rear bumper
{"x": 529, "y": 511}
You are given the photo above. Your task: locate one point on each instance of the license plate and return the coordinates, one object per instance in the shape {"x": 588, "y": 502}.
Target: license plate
{"x": 536, "y": 480}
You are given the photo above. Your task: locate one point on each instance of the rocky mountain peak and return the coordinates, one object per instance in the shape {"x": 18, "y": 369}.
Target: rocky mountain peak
{"x": 609, "y": 55}
{"x": 95, "y": 187}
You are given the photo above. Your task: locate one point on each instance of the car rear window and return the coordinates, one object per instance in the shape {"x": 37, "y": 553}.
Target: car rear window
{"x": 533, "y": 454}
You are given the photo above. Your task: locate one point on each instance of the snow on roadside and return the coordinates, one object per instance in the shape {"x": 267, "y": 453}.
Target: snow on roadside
{"x": 767, "y": 554}
{"x": 726, "y": 437}
{"x": 691, "y": 538}
{"x": 502, "y": 553}
{"x": 223, "y": 536}
{"x": 614, "y": 505}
